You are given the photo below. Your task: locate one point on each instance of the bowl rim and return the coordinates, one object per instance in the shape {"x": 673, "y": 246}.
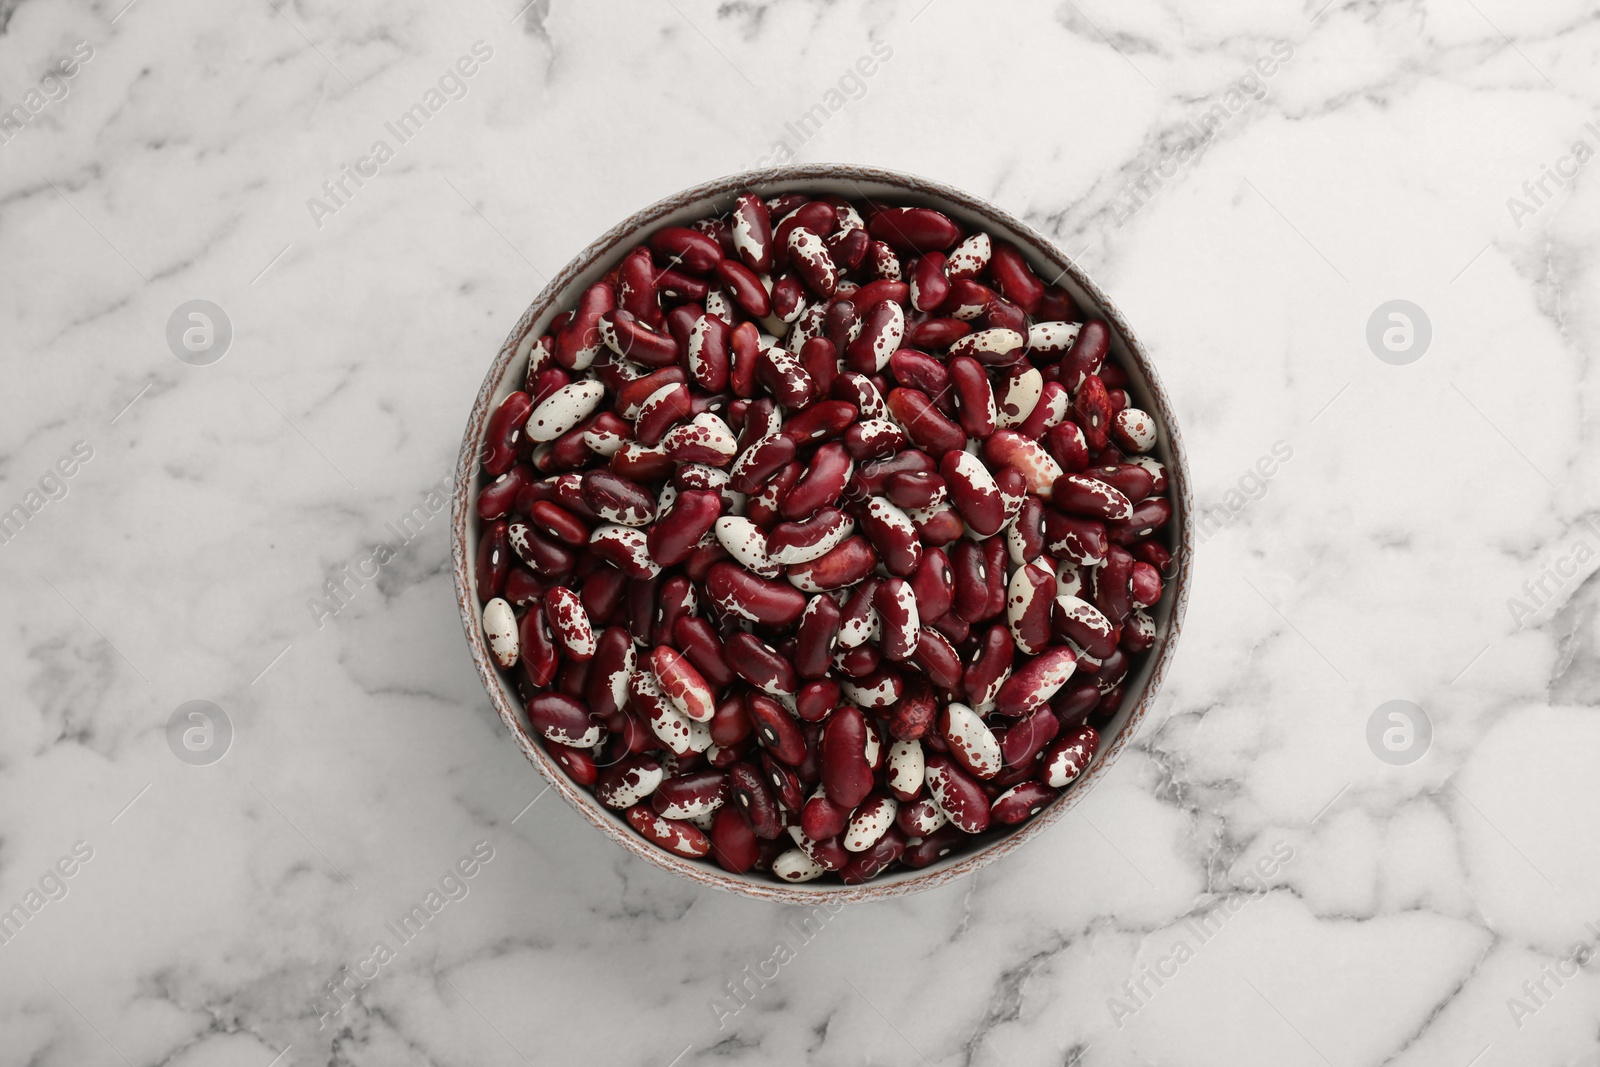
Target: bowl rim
{"x": 615, "y": 242}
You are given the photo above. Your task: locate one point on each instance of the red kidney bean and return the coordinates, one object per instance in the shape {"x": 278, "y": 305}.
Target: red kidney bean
{"x": 1148, "y": 516}
{"x": 958, "y": 795}
{"x": 1138, "y": 632}
{"x": 872, "y": 293}
{"x": 628, "y": 781}
{"x": 1085, "y": 625}
{"x": 1087, "y": 354}
{"x": 751, "y": 231}
{"x": 825, "y": 419}
{"x": 848, "y": 247}
{"x": 1014, "y": 278}
{"x": 760, "y": 664}
{"x": 632, "y": 339}
{"x": 915, "y": 489}
{"x": 673, "y": 537}
{"x": 500, "y": 495}
{"x": 559, "y": 523}
{"x": 643, "y": 599}
{"x": 891, "y": 532}
{"x": 897, "y": 606}
{"x": 920, "y": 371}
{"x": 1021, "y": 802}
{"x": 738, "y": 592}
{"x": 578, "y": 764}
{"x": 815, "y": 215}
{"x": 661, "y": 410}
{"x": 858, "y": 662}
{"x": 730, "y": 726}
{"x": 521, "y": 587}
{"x": 867, "y": 864}
{"x": 1009, "y": 449}
{"x": 883, "y": 328}
{"x": 816, "y": 700}
{"x": 1002, "y": 314}
{"x": 776, "y": 729}
{"x": 675, "y": 835}
{"x": 1144, "y": 584}
{"x": 759, "y": 462}
{"x": 547, "y": 558}
{"x": 846, "y": 775}
{"x": 872, "y": 478}
{"x": 1091, "y": 407}
{"x": 990, "y": 667}
{"x": 801, "y": 542}
{"x": 1073, "y": 704}
{"x": 937, "y": 658}
{"x": 602, "y": 593}
{"x": 994, "y": 347}
{"x": 914, "y": 229}
{"x": 933, "y": 846}
{"x": 1079, "y": 494}
{"x": 924, "y": 423}
{"x": 689, "y": 249}
{"x": 817, "y": 638}
{"x": 752, "y": 795}
{"x": 1030, "y": 597}
{"x": 636, "y": 288}
{"x": 821, "y": 818}
{"x": 975, "y": 400}
{"x": 1113, "y": 585}
{"x": 609, "y": 670}
{"x": 936, "y": 333}
{"x": 785, "y": 780}
{"x": 1112, "y": 671}
{"x": 845, "y": 564}
{"x": 970, "y": 581}
{"x": 494, "y": 560}
{"x": 1069, "y": 757}
{"x": 874, "y": 438}
{"x": 578, "y": 341}
{"x": 706, "y": 355}
{"x": 682, "y": 684}
{"x": 565, "y": 721}
{"x": 537, "y": 646}
{"x": 504, "y": 432}
{"x": 733, "y": 842}
{"x": 745, "y": 288}
{"x": 1132, "y": 481}
{"x": 1036, "y": 682}
{"x": 973, "y": 492}
{"x": 690, "y": 795}
{"x": 1082, "y": 541}
{"x": 930, "y": 288}
{"x": 1025, "y": 534}
{"x": 1024, "y": 739}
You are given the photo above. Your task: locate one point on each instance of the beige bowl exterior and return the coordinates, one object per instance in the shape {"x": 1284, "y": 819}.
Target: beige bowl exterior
{"x": 506, "y": 374}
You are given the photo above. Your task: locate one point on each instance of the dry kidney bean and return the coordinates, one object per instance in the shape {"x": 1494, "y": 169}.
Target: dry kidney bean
{"x": 726, "y": 487}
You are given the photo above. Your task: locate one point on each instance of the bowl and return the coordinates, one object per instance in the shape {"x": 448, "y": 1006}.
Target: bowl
{"x": 715, "y": 197}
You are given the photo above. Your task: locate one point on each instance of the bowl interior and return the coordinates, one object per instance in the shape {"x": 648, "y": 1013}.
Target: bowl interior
{"x": 507, "y": 374}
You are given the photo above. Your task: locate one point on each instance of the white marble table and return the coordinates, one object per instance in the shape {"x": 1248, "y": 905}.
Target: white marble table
{"x": 1426, "y": 533}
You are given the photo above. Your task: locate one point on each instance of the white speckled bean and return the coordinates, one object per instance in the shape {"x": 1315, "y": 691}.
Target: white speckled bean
{"x": 564, "y": 409}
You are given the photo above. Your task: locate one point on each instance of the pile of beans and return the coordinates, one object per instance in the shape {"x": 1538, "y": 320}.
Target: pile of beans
{"x": 821, "y": 537}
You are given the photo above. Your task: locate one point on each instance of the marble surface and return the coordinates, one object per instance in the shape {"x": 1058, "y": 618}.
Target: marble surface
{"x": 1255, "y": 883}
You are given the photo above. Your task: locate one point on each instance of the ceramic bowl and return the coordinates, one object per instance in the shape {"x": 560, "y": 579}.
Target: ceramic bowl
{"x": 716, "y": 197}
